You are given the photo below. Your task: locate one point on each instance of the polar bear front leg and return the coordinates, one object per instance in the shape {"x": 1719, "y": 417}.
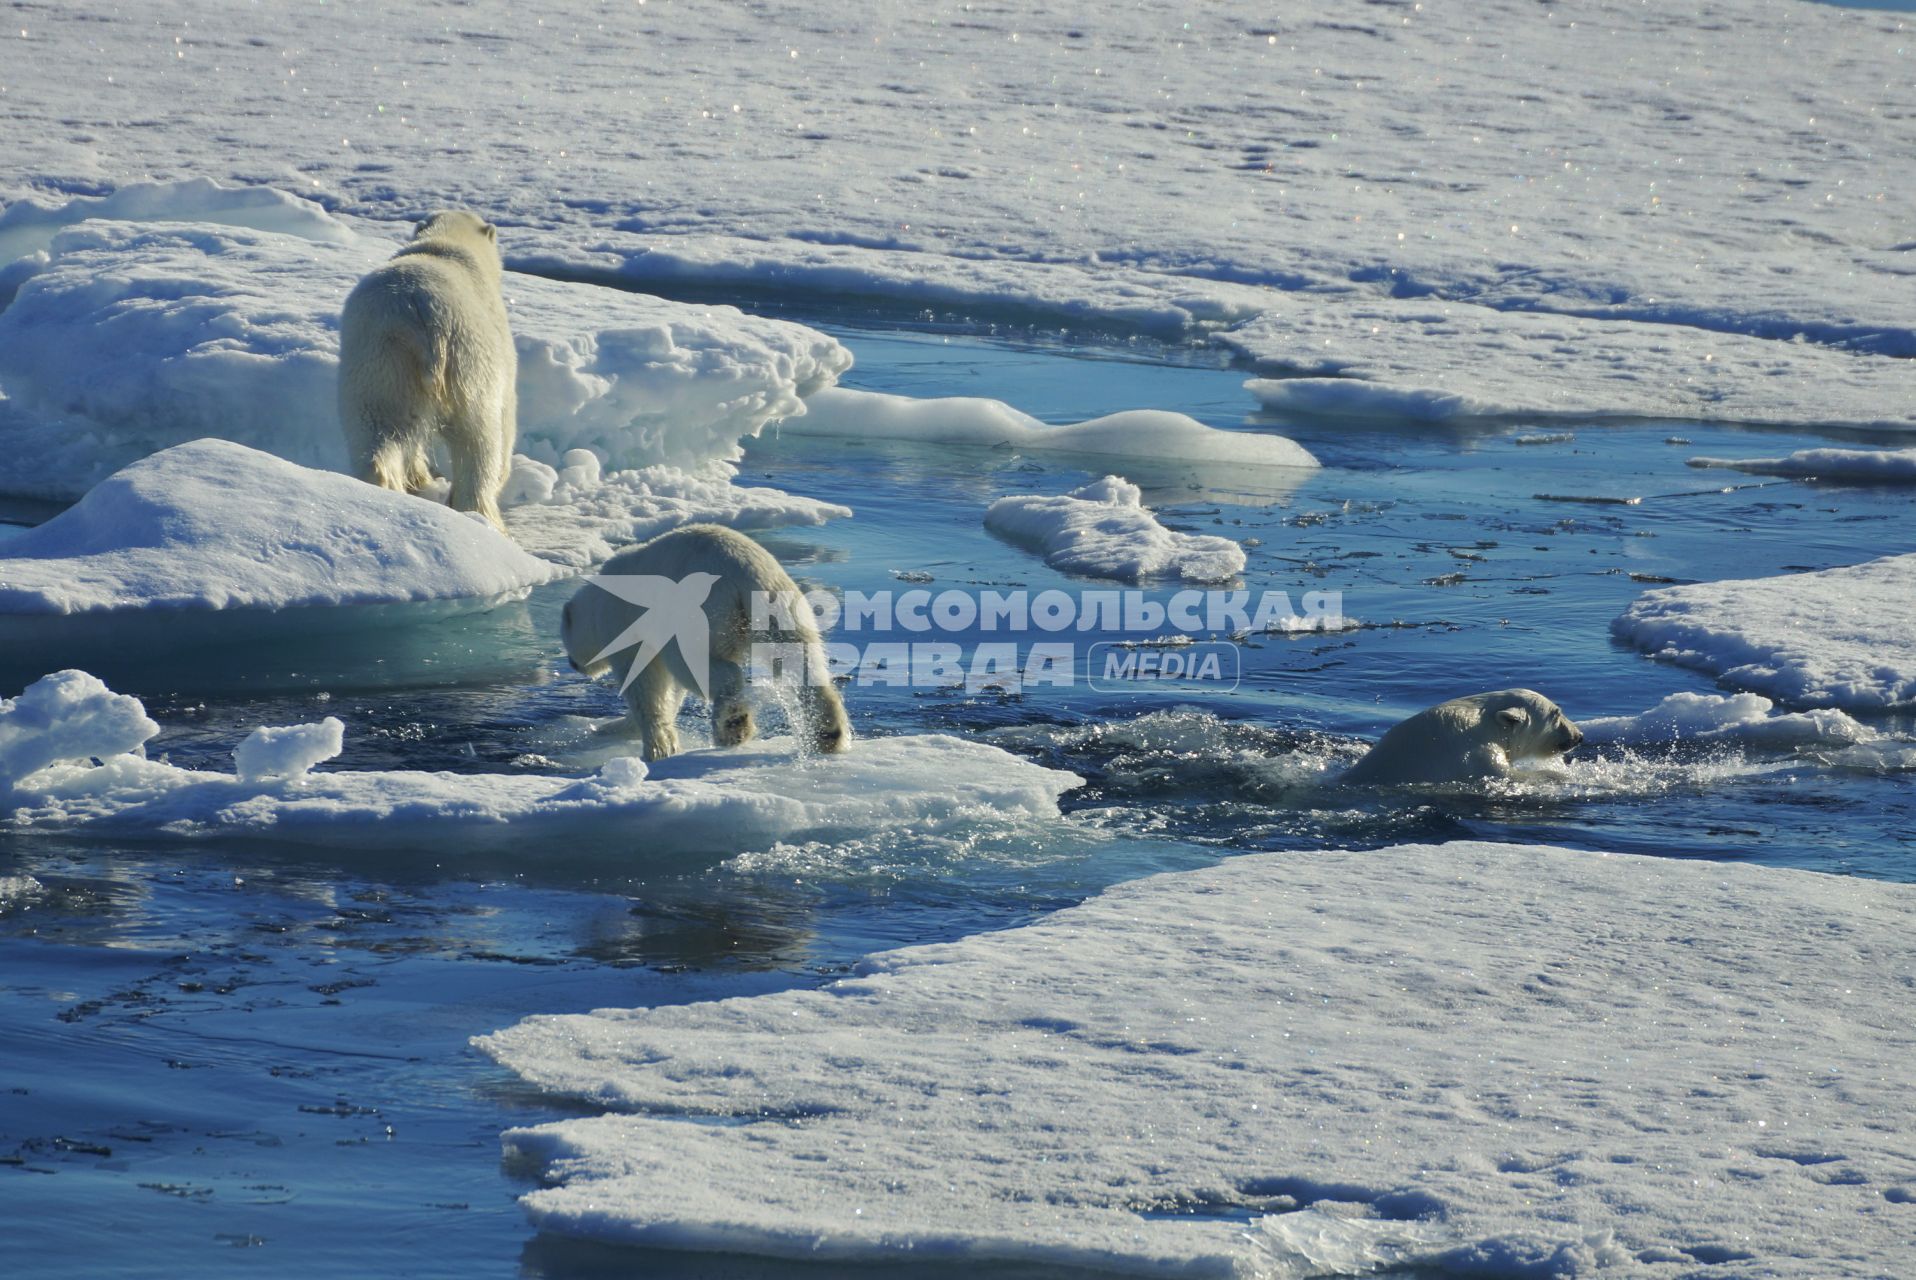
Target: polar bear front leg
{"x": 1487, "y": 761}
{"x": 654, "y": 700}
{"x": 732, "y": 723}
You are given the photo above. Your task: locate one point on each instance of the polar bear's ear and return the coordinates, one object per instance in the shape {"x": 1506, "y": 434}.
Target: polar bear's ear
{"x": 492, "y": 232}
{"x": 1514, "y": 716}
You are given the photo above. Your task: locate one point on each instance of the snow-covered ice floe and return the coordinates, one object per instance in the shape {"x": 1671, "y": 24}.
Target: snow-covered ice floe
{"x": 575, "y": 517}
{"x": 1743, "y": 719}
{"x": 1469, "y": 1058}
{"x": 1356, "y": 398}
{"x": 1859, "y": 466}
{"x": 1417, "y": 240}
{"x": 124, "y": 337}
{"x": 213, "y": 540}
{"x": 1154, "y": 434}
{"x": 1834, "y": 638}
{"x": 1104, "y": 529}
{"x": 27, "y": 227}
{"x": 72, "y": 756}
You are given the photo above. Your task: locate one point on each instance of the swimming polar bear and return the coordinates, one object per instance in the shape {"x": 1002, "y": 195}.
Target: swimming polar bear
{"x": 1479, "y": 736}
{"x": 425, "y": 349}
{"x": 698, "y": 574}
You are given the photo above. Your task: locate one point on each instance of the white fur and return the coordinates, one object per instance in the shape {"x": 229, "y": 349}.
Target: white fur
{"x": 425, "y": 350}
{"x": 594, "y": 618}
{"x": 1468, "y": 739}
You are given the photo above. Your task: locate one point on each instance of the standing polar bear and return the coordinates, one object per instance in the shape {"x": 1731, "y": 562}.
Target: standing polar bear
{"x": 1467, "y": 739}
{"x": 685, "y": 601}
{"x": 425, "y": 350}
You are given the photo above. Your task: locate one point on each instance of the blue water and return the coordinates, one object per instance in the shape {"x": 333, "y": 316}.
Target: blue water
{"x": 246, "y": 1059}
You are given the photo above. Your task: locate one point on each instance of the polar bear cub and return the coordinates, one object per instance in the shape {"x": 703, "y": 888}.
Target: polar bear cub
{"x": 1479, "y": 736}
{"x": 667, "y": 588}
{"x": 425, "y": 350}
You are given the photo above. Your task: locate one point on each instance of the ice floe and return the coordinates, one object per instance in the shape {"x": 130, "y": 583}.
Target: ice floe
{"x": 583, "y": 517}
{"x": 1104, "y": 530}
{"x": 128, "y": 337}
{"x": 288, "y": 751}
{"x": 72, "y": 757}
{"x": 1356, "y": 398}
{"x": 1742, "y": 719}
{"x": 27, "y": 227}
{"x": 1832, "y": 638}
{"x": 214, "y": 540}
{"x": 1864, "y": 466}
{"x": 970, "y": 420}
{"x": 68, "y": 715}
{"x": 1471, "y": 1058}
{"x": 1729, "y": 251}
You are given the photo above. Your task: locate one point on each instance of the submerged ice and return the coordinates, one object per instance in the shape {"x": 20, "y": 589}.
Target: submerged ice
{"x": 1143, "y": 434}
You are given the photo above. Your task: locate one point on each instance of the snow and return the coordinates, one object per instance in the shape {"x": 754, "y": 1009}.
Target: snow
{"x": 1417, "y": 197}
{"x": 1470, "y": 1058}
{"x": 1832, "y": 638}
{"x": 1104, "y": 530}
{"x": 233, "y": 535}
{"x": 288, "y": 751}
{"x": 29, "y": 225}
{"x": 585, "y": 520}
{"x": 971, "y": 420}
{"x": 1743, "y": 719}
{"x": 68, "y": 715}
{"x": 1353, "y": 398}
{"x": 132, "y": 336}
{"x": 702, "y": 804}
{"x": 1866, "y": 466}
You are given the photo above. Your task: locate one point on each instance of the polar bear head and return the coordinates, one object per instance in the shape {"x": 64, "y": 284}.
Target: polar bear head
{"x": 1523, "y": 722}
{"x": 457, "y": 232}
{"x": 1468, "y": 739}
{"x": 455, "y": 224}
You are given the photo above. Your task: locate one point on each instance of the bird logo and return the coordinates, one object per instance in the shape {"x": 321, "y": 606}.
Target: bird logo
{"x": 674, "y": 613}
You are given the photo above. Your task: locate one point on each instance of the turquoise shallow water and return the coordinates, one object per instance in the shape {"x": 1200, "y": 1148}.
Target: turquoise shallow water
{"x": 247, "y": 1058}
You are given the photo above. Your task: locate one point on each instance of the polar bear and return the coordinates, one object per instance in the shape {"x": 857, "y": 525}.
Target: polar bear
{"x": 1479, "y": 736}
{"x": 700, "y": 573}
{"x": 424, "y": 350}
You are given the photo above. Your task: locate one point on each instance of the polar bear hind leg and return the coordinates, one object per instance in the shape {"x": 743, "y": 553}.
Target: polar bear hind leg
{"x": 824, "y": 714}
{"x": 478, "y": 468}
{"x": 418, "y": 469}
